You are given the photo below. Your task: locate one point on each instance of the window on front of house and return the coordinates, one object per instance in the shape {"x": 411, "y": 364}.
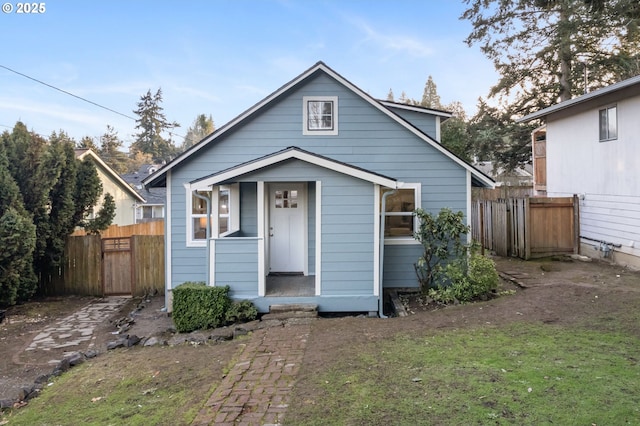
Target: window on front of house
{"x": 199, "y": 216}
{"x": 197, "y": 228}
{"x": 400, "y": 221}
{"x": 608, "y": 123}
{"x": 320, "y": 115}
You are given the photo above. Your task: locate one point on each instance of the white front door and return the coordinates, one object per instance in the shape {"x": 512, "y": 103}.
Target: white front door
{"x": 287, "y": 230}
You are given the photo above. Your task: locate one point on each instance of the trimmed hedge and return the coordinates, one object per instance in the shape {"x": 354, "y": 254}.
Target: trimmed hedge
{"x": 197, "y": 306}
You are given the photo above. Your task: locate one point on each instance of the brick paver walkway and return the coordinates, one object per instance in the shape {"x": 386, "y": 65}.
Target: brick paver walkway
{"x": 257, "y": 389}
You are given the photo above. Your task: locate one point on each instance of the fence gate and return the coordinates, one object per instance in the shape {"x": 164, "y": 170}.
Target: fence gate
{"x": 117, "y": 270}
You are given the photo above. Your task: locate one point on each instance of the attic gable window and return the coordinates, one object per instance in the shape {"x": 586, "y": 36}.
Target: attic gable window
{"x": 608, "y": 123}
{"x": 320, "y": 115}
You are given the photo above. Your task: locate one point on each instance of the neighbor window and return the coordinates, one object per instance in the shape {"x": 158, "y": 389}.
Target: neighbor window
{"x": 608, "y": 123}
{"x": 320, "y": 115}
{"x": 400, "y": 221}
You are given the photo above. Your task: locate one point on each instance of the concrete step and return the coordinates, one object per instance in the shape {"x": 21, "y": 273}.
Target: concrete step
{"x": 294, "y": 310}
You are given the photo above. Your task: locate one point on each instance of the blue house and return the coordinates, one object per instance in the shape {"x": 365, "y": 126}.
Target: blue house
{"x": 307, "y": 197}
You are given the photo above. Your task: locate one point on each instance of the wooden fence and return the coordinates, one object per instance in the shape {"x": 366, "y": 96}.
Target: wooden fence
{"x": 114, "y": 231}
{"x": 83, "y": 272}
{"x": 527, "y": 227}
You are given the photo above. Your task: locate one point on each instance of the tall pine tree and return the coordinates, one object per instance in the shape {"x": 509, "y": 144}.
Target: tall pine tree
{"x": 152, "y": 124}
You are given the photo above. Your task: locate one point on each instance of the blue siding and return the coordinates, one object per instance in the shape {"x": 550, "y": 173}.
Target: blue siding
{"x": 236, "y": 265}
{"x": 398, "y": 265}
{"x": 367, "y": 138}
{"x": 425, "y": 122}
{"x": 248, "y": 209}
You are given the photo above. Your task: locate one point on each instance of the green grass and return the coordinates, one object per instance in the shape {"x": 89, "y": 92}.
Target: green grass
{"x": 137, "y": 386}
{"x": 526, "y": 374}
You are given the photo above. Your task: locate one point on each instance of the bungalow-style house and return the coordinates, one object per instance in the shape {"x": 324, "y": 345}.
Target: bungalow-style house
{"x": 153, "y": 207}
{"x": 310, "y": 195}
{"x": 124, "y": 196}
{"x": 590, "y": 146}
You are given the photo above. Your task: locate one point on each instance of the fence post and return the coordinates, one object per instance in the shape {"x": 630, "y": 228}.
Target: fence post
{"x": 481, "y": 212}
{"x": 527, "y": 228}
{"x": 576, "y": 224}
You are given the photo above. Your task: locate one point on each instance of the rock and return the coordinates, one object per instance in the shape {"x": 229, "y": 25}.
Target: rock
{"x": 222, "y": 333}
{"x": 154, "y": 341}
{"x": 6, "y": 403}
{"x": 44, "y": 378}
{"x": 63, "y": 365}
{"x": 120, "y": 343}
{"x": 239, "y": 331}
{"x": 91, "y": 354}
{"x": 74, "y": 358}
{"x": 132, "y": 340}
{"x": 24, "y": 392}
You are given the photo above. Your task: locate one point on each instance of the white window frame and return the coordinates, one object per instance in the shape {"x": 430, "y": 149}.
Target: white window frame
{"x": 406, "y": 239}
{"x": 305, "y": 116}
{"x": 233, "y": 215}
{"x": 607, "y": 117}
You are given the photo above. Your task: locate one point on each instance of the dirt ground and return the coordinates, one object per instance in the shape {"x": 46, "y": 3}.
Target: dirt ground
{"x": 549, "y": 291}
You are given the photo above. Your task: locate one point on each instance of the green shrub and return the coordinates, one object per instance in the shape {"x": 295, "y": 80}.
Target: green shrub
{"x": 197, "y": 306}
{"x": 241, "y": 311}
{"x": 467, "y": 280}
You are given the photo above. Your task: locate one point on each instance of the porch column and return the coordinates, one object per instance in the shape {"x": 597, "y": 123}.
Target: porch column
{"x": 261, "y": 205}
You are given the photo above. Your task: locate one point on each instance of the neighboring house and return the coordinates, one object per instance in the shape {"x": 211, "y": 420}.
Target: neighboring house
{"x": 153, "y": 207}
{"x": 124, "y": 196}
{"x": 592, "y": 149}
{"x": 520, "y": 176}
{"x": 297, "y": 184}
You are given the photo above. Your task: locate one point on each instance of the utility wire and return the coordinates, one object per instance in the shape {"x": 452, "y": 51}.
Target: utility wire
{"x": 80, "y": 97}
{"x": 68, "y": 93}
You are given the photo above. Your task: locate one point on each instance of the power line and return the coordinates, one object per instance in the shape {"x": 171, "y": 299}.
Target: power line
{"x": 171, "y": 133}
{"x": 68, "y": 93}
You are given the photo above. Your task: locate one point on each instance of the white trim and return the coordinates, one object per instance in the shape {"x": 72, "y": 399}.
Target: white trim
{"x": 212, "y": 262}
{"x": 262, "y": 261}
{"x": 305, "y": 116}
{"x": 189, "y": 241}
{"x": 114, "y": 176}
{"x": 300, "y": 155}
{"x": 320, "y": 66}
{"x": 414, "y": 108}
{"x": 376, "y": 240}
{"x": 438, "y": 132}
{"x": 305, "y": 225}
{"x": 318, "y": 238}
{"x": 468, "y": 215}
{"x": 215, "y": 208}
{"x": 406, "y": 240}
{"x": 581, "y": 99}
{"x": 167, "y": 248}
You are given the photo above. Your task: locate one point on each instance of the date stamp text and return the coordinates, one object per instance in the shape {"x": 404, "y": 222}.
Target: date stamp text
{"x": 24, "y": 8}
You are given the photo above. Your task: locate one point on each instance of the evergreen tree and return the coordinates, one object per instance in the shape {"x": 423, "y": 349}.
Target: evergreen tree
{"x": 103, "y": 218}
{"x": 454, "y": 132}
{"x": 88, "y": 143}
{"x": 201, "y": 127}
{"x": 390, "y": 96}
{"x": 152, "y": 124}
{"x": 110, "y": 152}
{"x": 430, "y": 97}
{"x": 17, "y": 238}
{"x": 537, "y": 46}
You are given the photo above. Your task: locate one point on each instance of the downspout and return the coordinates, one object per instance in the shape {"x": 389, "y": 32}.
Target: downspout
{"x": 383, "y": 213}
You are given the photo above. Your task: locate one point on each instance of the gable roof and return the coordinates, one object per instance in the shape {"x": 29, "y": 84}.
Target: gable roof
{"x": 158, "y": 178}
{"x": 417, "y": 108}
{"x": 622, "y": 85}
{"x": 82, "y": 153}
{"x": 294, "y": 153}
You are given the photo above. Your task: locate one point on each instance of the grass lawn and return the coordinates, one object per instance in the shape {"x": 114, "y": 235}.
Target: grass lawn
{"x": 136, "y": 386}
{"x": 520, "y": 373}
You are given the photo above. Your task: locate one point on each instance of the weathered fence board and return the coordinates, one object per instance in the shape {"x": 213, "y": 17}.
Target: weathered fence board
{"x": 114, "y": 231}
{"x": 527, "y": 227}
{"x": 136, "y": 271}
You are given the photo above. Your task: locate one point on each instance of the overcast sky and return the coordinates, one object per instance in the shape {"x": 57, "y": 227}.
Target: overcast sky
{"x": 220, "y": 57}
